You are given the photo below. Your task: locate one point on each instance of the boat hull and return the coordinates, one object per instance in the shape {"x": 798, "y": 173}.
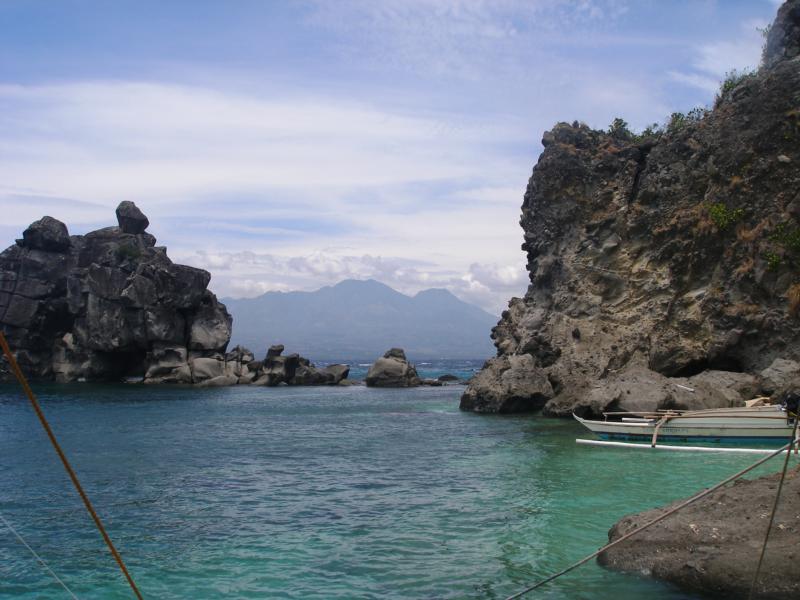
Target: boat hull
{"x": 731, "y": 428}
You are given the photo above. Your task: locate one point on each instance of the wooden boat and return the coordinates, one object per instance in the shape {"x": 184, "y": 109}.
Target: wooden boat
{"x": 742, "y": 425}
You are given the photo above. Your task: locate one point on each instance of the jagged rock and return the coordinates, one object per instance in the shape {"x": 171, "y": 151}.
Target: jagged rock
{"x": 107, "y": 305}
{"x": 507, "y": 384}
{"x": 310, "y": 375}
{"x": 638, "y": 389}
{"x": 240, "y": 354}
{"x": 274, "y": 351}
{"x": 778, "y": 374}
{"x": 653, "y": 253}
{"x": 211, "y": 327}
{"x": 46, "y": 234}
{"x": 712, "y": 546}
{"x": 339, "y": 372}
{"x": 392, "y": 370}
{"x": 130, "y": 218}
{"x": 783, "y": 40}
{"x": 292, "y": 370}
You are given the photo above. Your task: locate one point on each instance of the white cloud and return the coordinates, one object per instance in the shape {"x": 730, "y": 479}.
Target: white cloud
{"x": 714, "y": 60}
{"x": 248, "y": 274}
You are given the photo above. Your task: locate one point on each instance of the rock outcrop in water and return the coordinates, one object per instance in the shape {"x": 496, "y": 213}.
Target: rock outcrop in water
{"x": 393, "y": 370}
{"x": 107, "y": 305}
{"x": 652, "y": 258}
{"x": 712, "y": 546}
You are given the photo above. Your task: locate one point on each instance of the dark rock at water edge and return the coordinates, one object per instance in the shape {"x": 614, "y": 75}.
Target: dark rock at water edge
{"x": 393, "y": 370}
{"x": 656, "y": 261}
{"x": 712, "y": 546}
{"x": 293, "y": 369}
{"x": 106, "y": 305}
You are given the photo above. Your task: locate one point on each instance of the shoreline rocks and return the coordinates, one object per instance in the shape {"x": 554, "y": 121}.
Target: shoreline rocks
{"x": 658, "y": 259}
{"x": 712, "y": 546}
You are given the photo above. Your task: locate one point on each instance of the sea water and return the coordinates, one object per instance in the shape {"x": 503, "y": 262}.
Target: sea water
{"x": 334, "y": 493}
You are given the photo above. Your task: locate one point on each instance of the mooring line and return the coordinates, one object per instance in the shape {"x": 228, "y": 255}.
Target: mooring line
{"x": 87, "y": 503}
{"x": 37, "y": 557}
{"x": 774, "y": 510}
{"x": 695, "y": 498}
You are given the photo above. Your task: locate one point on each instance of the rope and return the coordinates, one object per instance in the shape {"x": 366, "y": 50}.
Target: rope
{"x": 39, "y": 558}
{"x": 35, "y": 403}
{"x": 774, "y": 510}
{"x": 630, "y": 534}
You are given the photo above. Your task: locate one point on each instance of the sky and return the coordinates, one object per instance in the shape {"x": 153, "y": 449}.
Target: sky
{"x": 290, "y": 145}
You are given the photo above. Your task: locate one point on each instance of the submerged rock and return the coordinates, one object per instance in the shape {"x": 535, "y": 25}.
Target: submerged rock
{"x": 392, "y": 370}
{"x": 713, "y": 545}
{"x": 655, "y": 259}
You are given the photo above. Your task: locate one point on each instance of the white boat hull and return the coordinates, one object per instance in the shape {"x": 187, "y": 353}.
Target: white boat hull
{"x": 766, "y": 425}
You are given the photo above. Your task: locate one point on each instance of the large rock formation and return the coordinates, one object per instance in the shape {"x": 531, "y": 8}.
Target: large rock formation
{"x": 393, "y": 370}
{"x": 712, "y": 546}
{"x": 660, "y": 256}
{"x": 106, "y": 305}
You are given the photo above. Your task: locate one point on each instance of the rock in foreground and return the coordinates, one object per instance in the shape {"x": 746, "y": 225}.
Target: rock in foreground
{"x": 393, "y": 370}
{"x": 713, "y": 545}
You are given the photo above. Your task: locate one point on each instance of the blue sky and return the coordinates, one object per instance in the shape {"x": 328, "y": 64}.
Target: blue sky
{"x": 288, "y": 145}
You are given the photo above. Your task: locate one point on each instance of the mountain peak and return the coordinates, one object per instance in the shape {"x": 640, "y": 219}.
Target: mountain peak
{"x": 360, "y": 318}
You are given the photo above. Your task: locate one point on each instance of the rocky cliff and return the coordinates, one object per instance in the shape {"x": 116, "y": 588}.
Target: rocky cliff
{"x": 662, "y": 256}
{"x": 106, "y": 305}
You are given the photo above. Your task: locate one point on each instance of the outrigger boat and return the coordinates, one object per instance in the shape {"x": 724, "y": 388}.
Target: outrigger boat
{"x": 760, "y": 425}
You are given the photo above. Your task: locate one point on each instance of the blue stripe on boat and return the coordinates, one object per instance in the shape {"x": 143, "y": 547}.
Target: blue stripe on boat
{"x": 777, "y": 441}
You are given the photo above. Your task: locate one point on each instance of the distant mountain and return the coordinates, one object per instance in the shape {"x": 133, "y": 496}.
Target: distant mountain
{"x": 362, "y": 319}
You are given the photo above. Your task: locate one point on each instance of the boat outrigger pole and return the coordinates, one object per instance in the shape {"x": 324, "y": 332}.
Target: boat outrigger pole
{"x": 86, "y": 502}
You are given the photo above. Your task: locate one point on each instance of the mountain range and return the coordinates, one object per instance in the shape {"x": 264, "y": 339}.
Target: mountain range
{"x": 362, "y": 319}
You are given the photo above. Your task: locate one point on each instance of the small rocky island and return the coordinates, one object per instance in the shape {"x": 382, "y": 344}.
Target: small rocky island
{"x": 110, "y": 305}
{"x": 393, "y": 370}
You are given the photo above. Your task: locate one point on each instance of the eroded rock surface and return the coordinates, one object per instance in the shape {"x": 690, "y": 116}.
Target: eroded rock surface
{"x": 659, "y": 258}
{"x": 107, "y": 305}
{"x": 712, "y": 546}
{"x": 393, "y": 370}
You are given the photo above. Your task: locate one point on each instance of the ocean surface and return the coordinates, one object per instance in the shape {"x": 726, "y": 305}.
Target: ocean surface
{"x": 333, "y": 493}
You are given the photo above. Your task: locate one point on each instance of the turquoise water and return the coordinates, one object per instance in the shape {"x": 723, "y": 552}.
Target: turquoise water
{"x": 318, "y": 493}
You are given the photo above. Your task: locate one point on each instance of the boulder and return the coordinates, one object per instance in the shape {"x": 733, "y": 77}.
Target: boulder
{"x": 339, "y": 372}
{"x": 130, "y": 218}
{"x": 310, "y": 375}
{"x": 778, "y": 374}
{"x": 392, "y": 370}
{"x": 506, "y": 385}
{"x": 46, "y": 234}
{"x": 711, "y": 547}
{"x": 206, "y": 368}
{"x": 274, "y": 351}
{"x": 448, "y": 378}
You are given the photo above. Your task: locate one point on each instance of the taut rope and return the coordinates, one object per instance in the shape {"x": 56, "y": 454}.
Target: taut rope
{"x": 35, "y": 403}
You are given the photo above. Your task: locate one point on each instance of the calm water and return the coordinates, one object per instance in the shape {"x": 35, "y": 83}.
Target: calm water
{"x": 317, "y": 493}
